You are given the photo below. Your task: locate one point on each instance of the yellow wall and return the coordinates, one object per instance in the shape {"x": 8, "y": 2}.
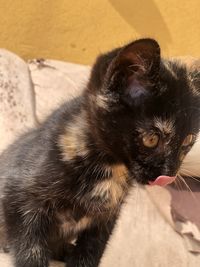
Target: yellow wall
{"x": 77, "y": 30}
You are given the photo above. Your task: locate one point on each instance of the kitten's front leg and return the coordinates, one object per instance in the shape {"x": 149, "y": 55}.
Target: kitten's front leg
{"x": 90, "y": 246}
{"x": 27, "y": 236}
{"x": 27, "y": 254}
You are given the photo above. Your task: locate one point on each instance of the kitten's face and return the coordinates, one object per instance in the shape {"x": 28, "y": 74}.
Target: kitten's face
{"x": 145, "y": 111}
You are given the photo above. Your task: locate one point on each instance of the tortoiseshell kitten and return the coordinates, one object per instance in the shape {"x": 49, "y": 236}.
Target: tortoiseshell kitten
{"x": 135, "y": 121}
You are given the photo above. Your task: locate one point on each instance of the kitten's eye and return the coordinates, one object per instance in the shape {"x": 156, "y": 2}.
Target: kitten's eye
{"x": 150, "y": 140}
{"x": 188, "y": 140}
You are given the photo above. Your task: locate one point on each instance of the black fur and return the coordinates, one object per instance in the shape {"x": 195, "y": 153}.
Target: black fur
{"x": 62, "y": 174}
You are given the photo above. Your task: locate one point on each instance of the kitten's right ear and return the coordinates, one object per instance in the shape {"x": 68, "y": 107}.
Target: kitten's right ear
{"x": 135, "y": 69}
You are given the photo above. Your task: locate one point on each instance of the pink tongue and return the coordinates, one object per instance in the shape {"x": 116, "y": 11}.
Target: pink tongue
{"x": 163, "y": 180}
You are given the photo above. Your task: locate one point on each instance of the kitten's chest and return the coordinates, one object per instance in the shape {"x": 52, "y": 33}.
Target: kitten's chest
{"x": 69, "y": 226}
{"x": 97, "y": 204}
{"x": 109, "y": 192}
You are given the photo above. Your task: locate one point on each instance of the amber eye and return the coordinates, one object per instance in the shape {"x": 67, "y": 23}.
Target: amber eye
{"x": 150, "y": 140}
{"x": 188, "y": 140}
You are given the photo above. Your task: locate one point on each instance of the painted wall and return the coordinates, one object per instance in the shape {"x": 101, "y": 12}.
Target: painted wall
{"x": 77, "y": 30}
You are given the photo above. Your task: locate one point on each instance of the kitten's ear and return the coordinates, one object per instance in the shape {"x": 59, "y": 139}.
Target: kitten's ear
{"x": 135, "y": 69}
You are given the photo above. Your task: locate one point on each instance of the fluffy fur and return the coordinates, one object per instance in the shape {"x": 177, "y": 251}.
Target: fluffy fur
{"x": 63, "y": 183}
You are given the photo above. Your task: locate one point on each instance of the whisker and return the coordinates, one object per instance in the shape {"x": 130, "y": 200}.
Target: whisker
{"x": 187, "y": 186}
{"x": 195, "y": 179}
{"x": 191, "y": 172}
{"x": 178, "y": 185}
{"x": 190, "y": 175}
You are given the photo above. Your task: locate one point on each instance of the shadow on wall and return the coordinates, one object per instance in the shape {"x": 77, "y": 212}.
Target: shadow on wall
{"x": 145, "y": 18}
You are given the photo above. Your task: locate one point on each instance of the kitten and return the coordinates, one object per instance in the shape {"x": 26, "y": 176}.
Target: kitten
{"x": 135, "y": 121}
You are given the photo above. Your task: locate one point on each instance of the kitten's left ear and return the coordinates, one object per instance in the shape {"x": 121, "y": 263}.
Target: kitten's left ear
{"x": 135, "y": 68}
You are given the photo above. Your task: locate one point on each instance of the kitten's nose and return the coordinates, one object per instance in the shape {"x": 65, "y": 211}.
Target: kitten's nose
{"x": 163, "y": 180}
